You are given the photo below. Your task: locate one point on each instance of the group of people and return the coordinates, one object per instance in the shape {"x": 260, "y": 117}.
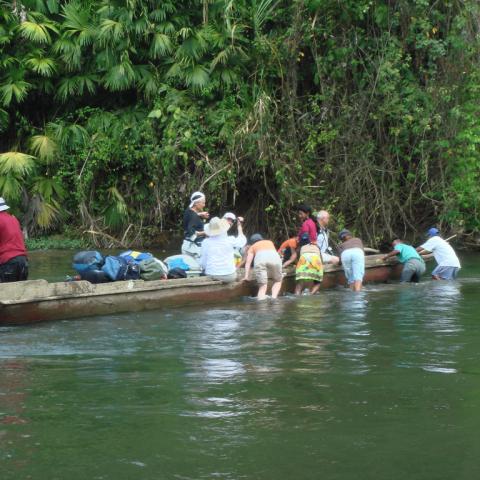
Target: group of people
{"x": 220, "y": 253}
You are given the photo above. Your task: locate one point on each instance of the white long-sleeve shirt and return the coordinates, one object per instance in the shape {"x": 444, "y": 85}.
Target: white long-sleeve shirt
{"x": 217, "y": 255}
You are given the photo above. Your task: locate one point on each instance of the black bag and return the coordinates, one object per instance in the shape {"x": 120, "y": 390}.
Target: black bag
{"x": 175, "y": 273}
{"x": 95, "y": 276}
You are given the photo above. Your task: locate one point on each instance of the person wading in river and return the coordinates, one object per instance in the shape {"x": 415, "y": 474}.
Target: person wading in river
{"x": 13, "y": 254}
{"x": 445, "y": 256}
{"x": 268, "y": 265}
{"x": 352, "y": 257}
{"x": 193, "y": 226}
{"x": 413, "y": 264}
{"x": 309, "y": 270}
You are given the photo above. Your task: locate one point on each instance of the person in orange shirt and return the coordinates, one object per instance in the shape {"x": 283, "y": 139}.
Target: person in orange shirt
{"x": 268, "y": 265}
{"x": 288, "y": 251}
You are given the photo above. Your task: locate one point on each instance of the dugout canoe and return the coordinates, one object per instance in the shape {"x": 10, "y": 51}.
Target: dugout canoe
{"x": 38, "y": 300}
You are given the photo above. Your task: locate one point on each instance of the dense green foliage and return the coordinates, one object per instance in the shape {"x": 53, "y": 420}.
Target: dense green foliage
{"x": 113, "y": 112}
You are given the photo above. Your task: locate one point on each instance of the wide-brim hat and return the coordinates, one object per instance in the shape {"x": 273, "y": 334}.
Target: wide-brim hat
{"x": 3, "y": 205}
{"x": 217, "y": 226}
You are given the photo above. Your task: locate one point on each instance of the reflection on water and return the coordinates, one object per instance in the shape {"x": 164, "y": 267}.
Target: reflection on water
{"x": 383, "y": 383}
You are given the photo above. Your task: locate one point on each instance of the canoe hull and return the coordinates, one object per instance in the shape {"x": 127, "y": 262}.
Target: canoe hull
{"x": 63, "y": 300}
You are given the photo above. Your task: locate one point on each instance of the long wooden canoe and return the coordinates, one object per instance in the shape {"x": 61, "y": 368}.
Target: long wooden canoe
{"x": 38, "y": 300}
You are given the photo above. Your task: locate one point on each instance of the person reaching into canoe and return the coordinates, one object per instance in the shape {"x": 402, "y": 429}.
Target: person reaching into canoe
{"x": 448, "y": 264}
{"x": 309, "y": 270}
{"x": 13, "y": 254}
{"x": 288, "y": 251}
{"x": 193, "y": 226}
{"x": 323, "y": 218}
{"x": 352, "y": 257}
{"x": 308, "y": 222}
{"x": 413, "y": 264}
{"x": 268, "y": 265}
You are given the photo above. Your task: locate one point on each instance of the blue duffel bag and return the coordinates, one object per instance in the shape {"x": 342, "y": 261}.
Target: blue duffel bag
{"x": 87, "y": 260}
{"x": 118, "y": 268}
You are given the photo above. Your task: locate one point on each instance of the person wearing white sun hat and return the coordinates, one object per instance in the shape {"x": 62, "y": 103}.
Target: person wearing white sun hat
{"x": 13, "y": 254}
{"x": 217, "y": 259}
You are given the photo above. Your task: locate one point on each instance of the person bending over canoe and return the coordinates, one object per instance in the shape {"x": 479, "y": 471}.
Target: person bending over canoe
{"x": 309, "y": 271}
{"x": 288, "y": 251}
{"x": 448, "y": 263}
{"x": 217, "y": 259}
{"x": 323, "y": 218}
{"x": 193, "y": 226}
{"x": 268, "y": 265}
{"x": 13, "y": 254}
{"x": 413, "y": 264}
{"x": 308, "y": 223}
{"x": 352, "y": 257}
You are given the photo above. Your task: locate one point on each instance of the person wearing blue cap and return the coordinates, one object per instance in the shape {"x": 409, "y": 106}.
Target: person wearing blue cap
{"x": 448, "y": 263}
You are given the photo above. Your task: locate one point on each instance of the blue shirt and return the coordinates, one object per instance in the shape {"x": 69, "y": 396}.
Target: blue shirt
{"x": 406, "y": 252}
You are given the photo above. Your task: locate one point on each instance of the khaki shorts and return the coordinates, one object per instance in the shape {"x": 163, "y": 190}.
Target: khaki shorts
{"x": 268, "y": 270}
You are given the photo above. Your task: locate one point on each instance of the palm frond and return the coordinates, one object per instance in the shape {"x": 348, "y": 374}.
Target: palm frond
{"x": 120, "y": 77}
{"x": 42, "y": 65}
{"x": 14, "y": 89}
{"x": 4, "y": 120}
{"x": 16, "y": 163}
{"x": 44, "y": 147}
{"x": 11, "y": 186}
{"x": 37, "y": 32}
{"x": 196, "y": 77}
{"x": 161, "y": 45}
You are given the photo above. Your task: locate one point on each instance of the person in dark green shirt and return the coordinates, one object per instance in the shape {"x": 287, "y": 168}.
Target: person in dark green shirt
{"x": 413, "y": 264}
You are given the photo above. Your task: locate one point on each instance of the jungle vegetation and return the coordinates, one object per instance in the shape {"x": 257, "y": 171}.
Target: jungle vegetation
{"x": 112, "y": 112}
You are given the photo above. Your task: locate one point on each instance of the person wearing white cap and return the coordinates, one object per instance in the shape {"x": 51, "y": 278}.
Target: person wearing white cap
{"x": 193, "y": 226}
{"x": 13, "y": 254}
{"x": 240, "y": 240}
{"x": 217, "y": 259}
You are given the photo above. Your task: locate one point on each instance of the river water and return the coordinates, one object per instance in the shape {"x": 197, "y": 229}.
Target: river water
{"x": 384, "y": 384}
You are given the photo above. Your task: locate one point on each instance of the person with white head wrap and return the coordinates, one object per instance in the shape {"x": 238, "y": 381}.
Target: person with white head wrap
{"x": 193, "y": 225}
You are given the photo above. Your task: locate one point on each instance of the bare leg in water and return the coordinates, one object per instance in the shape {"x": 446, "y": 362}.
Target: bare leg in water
{"x": 316, "y": 287}
{"x": 276, "y": 289}
{"x": 262, "y": 292}
{"x": 356, "y": 286}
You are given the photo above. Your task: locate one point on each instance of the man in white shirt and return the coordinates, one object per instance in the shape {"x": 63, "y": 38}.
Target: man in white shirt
{"x": 448, "y": 263}
{"x": 323, "y": 217}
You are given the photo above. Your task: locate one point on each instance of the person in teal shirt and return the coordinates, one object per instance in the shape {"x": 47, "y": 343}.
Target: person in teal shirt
{"x": 413, "y": 264}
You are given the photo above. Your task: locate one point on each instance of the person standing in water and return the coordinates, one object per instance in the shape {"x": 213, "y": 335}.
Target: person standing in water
{"x": 13, "y": 254}
{"x": 268, "y": 265}
{"x": 309, "y": 270}
{"x": 448, "y": 264}
{"x": 413, "y": 264}
{"x": 352, "y": 257}
{"x": 193, "y": 226}
{"x": 308, "y": 223}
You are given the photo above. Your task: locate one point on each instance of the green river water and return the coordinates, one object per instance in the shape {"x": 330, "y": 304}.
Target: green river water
{"x": 384, "y": 384}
